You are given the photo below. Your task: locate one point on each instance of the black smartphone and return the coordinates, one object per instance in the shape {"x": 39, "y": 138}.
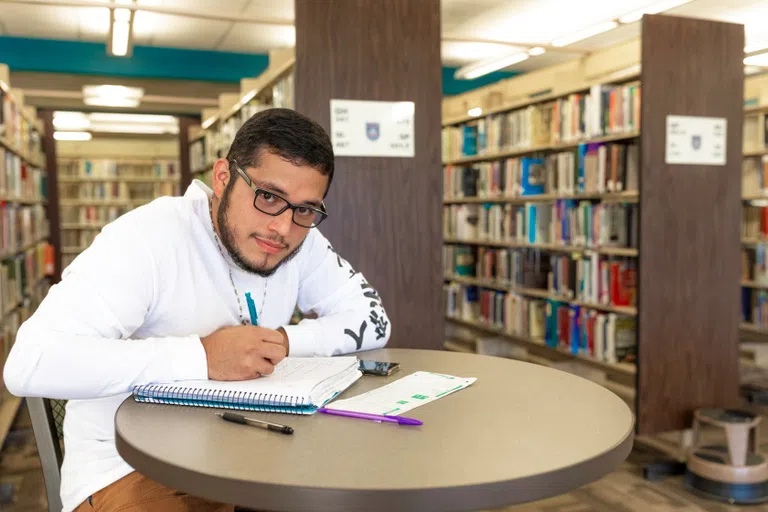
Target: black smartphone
{"x": 379, "y": 368}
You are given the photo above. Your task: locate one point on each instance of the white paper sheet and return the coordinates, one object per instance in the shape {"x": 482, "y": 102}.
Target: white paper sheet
{"x": 404, "y": 394}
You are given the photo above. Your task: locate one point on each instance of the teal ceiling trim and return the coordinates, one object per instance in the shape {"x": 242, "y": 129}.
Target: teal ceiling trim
{"x": 83, "y": 58}
{"x": 453, "y": 86}
{"x": 77, "y": 57}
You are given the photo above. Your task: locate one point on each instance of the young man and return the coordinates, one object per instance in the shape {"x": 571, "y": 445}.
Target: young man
{"x": 160, "y": 296}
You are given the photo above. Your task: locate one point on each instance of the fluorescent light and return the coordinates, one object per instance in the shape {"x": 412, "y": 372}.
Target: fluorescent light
{"x": 112, "y": 95}
{"x": 536, "y": 50}
{"x": 70, "y": 121}
{"x": 756, "y": 47}
{"x": 761, "y": 59}
{"x": 584, "y": 34}
{"x": 248, "y": 97}
{"x": 751, "y": 70}
{"x": 109, "y": 117}
{"x": 120, "y": 31}
{"x": 121, "y": 24}
{"x": 79, "y": 136}
{"x": 134, "y": 128}
{"x": 475, "y": 112}
{"x": 484, "y": 67}
{"x": 652, "y": 9}
{"x": 208, "y": 122}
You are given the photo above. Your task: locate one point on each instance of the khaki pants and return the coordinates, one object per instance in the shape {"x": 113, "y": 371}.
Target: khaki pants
{"x": 137, "y": 492}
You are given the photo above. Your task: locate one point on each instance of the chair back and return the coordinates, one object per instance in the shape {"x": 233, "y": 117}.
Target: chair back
{"x": 47, "y": 417}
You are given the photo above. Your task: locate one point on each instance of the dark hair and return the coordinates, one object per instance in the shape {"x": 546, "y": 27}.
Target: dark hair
{"x": 287, "y": 134}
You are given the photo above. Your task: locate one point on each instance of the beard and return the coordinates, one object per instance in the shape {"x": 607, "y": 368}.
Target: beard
{"x": 228, "y": 240}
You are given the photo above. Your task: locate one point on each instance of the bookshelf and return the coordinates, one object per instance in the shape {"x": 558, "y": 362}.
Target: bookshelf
{"x": 544, "y": 199}
{"x": 211, "y": 140}
{"x": 95, "y": 191}
{"x": 754, "y": 241}
{"x": 26, "y": 256}
{"x": 520, "y": 220}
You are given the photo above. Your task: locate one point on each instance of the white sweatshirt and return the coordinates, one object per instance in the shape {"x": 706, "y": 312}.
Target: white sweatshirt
{"x": 131, "y": 310}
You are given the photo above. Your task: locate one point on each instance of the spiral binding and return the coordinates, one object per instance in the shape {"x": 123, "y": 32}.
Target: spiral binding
{"x": 219, "y": 398}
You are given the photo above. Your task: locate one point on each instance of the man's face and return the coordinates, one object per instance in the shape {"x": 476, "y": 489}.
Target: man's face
{"x": 259, "y": 242}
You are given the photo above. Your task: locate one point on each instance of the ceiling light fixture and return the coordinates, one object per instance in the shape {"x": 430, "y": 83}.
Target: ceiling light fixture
{"x": 75, "y": 136}
{"x": 756, "y": 47}
{"x": 475, "y": 112}
{"x": 761, "y": 59}
{"x": 536, "y": 50}
{"x": 586, "y": 33}
{"x": 478, "y": 69}
{"x": 120, "y": 30}
{"x": 112, "y": 95}
{"x": 68, "y": 121}
{"x": 652, "y": 9}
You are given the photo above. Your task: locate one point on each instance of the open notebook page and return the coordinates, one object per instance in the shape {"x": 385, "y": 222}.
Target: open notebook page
{"x": 293, "y": 376}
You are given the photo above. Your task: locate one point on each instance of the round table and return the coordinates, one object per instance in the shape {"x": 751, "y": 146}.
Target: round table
{"x": 521, "y": 432}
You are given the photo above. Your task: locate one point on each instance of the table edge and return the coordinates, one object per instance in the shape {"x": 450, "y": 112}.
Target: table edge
{"x": 279, "y": 497}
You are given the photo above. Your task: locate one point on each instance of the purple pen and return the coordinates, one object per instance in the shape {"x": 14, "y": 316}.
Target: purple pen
{"x": 400, "y": 420}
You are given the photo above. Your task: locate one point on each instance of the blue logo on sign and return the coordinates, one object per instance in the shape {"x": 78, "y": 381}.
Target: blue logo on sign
{"x": 372, "y": 131}
{"x": 696, "y": 141}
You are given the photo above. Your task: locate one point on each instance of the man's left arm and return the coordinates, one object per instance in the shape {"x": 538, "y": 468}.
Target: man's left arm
{"x": 350, "y": 312}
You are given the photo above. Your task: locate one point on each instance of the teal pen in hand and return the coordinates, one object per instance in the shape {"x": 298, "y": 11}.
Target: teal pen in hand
{"x": 251, "y": 309}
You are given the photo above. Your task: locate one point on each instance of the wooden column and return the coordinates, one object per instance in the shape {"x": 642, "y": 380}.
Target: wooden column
{"x": 51, "y": 167}
{"x": 385, "y": 213}
{"x": 185, "y": 172}
{"x": 689, "y": 225}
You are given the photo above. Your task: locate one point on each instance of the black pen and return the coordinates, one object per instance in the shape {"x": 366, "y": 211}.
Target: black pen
{"x": 237, "y": 418}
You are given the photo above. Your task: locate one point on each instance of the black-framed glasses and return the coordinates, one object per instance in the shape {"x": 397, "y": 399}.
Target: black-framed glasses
{"x": 272, "y": 204}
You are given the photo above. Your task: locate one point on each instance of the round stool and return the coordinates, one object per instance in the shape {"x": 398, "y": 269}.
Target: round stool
{"x": 735, "y": 472}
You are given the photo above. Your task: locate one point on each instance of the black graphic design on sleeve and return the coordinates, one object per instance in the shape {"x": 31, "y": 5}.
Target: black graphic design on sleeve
{"x": 379, "y": 323}
{"x": 358, "y": 337}
{"x": 342, "y": 262}
{"x": 370, "y": 292}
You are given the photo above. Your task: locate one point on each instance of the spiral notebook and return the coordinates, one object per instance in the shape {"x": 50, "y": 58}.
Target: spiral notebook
{"x": 298, "y": 385}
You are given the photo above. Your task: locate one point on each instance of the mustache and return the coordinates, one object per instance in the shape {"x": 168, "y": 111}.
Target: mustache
{"x": 274, "y": 238}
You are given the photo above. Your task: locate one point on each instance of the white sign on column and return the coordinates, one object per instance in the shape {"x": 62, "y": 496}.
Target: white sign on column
{"x": 693, "y": 140}
{"x": 372, "y": 128}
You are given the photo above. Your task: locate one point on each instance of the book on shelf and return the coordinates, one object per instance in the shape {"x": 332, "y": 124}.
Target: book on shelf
{"x": 197, "y": 155}
{"x": 591, "y": 279}
{"x": 21, "y": 225}
{"x": 109, "y": 168}
{"x": 588, "y": 169}
{"x": 565, "y": 222}
{"x": 754, "y": 176}
{"x": 16, "y": 129}
{"x": 754, "y": 307}
{"x": 18, "y": 179}
{"x": 601, "y": 111}
{"x": 607, "y": 337}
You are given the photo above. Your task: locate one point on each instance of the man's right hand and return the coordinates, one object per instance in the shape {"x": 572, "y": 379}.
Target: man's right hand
{"x": 242, "y": 352}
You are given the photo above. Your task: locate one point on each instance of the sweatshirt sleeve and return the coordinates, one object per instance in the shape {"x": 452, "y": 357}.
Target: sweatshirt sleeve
{"x": 350, "y": 313}
{"x": 78, "y": 344}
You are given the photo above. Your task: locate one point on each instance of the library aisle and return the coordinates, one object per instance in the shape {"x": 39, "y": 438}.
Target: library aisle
{"x": 585, "y": 186}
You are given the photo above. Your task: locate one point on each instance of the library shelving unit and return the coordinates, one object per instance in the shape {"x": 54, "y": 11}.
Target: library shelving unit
{"x": 211, "y": 140}
{"x": 568, "y": 233}
{"x": 540, "y": 224}
{"x": 95, "y": 191}
{"x": 754, "y": 235}
{"x": 26, "y": 257}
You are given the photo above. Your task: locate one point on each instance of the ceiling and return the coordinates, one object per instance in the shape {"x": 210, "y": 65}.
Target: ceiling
{"x": 524, "y": 21}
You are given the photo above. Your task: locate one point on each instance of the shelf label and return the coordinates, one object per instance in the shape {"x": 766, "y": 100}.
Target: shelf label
{"x": 372, "y": 128}
{"x": 696, "y": 140}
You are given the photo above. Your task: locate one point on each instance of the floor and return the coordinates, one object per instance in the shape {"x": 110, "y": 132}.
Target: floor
{"x": 624, "y": 490}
